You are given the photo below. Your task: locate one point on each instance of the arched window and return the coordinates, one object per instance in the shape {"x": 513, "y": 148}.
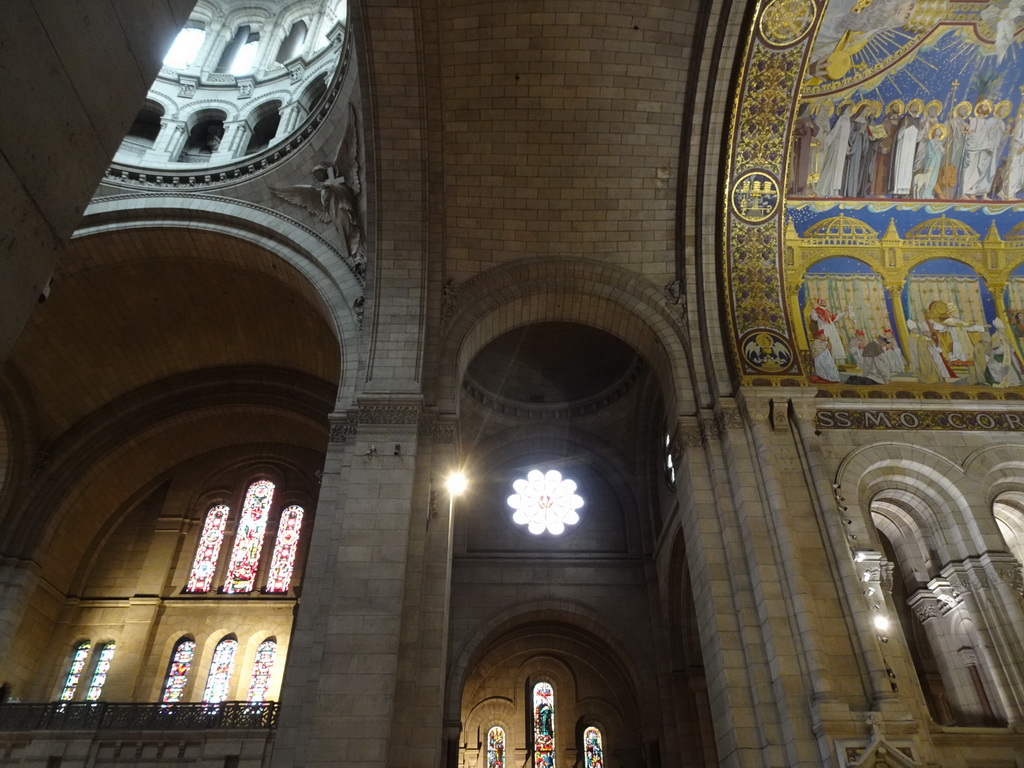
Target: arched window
{"x": 543, "y": 726}
{"x": 259, "y": 683}
{"x": 593, "y": 749}
{"x": 205, "y": 564}
{"x": 220, "y": 671}
{"x": 78, "y": 660}
{"x": 177, "y": 671}
{"x": 242, "y": 63}
{"x": 280, "y": 577}
{"x": 291, "y": 46}
{"x": 245, "y": 557}
{"x": 185, "y": 47}
{"x": 99, "y": 675}
{"x": 496, "y": 747}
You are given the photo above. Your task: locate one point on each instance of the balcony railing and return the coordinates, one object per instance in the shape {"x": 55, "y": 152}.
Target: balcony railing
{"x": 112, "y": 716}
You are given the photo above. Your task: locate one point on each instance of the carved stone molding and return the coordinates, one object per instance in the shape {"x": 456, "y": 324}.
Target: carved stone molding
{"x": 779, "y": 414}
{"x": 924, "y": 605}
{"x": 710, "y": 429}
{"x": 687, "y": 433}
{"x": 394, "y": 415}
{"x": 438, "y": 432}
{"x": 728, "y": 417}
{"x": 968, "y": 656}
{"x": 342, "y": 428}
{"x": 449, "y": 301}
{"x": 886, "y": 568}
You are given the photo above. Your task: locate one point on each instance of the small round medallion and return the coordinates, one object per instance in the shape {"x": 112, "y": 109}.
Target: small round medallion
{"x": 755, "y": 197}
{"x": 766, "y": 351}
{"x": 784, "y": 22}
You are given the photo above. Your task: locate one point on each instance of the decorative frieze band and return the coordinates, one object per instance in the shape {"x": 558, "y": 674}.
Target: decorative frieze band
{"x": 985, "y": 421}
{"x": 391, "y": 415}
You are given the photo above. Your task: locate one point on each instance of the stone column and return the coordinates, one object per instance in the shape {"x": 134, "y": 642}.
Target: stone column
{"x": 232, "y": 144}
{"x": 18, "y": 581}
{"x": 169, "y": 142}
{"x": 419, "y": 735}
{"x": 934, "y": 608}
{"x": 338, "y": 698}
{"x": 710, "y": 485}
{"x": 986, "y": 585}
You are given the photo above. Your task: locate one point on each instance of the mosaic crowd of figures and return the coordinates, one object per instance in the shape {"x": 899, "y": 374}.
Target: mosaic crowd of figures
{"x": 912, "y": 100}
{"x": 244, "y": 564}
{"x": 946, "y": 328}
{"x": 914, "y": 150}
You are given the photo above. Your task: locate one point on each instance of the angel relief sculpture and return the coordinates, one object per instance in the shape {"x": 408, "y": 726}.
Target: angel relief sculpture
{"x": 334, "y": 195}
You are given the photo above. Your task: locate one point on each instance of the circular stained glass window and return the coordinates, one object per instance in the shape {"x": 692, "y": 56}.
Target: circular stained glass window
{"x": 545, "y": 501}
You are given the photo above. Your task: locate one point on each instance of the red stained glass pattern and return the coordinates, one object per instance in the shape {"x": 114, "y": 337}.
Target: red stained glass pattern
{"x": 99, "y": 675}
{"x": 205, "y": 564}
{"x": 543, "y": 726}
{"x": 218, "y": 682}
{"x": 177, "y": 674}
{"x": 75, "y": 672}
{"x": 245, "y": 556}
{"x": 593, "y": 750}
{"x": 496, "y": 748}
{"x": 259, "y": 683}
{"x": 280, "y": 577}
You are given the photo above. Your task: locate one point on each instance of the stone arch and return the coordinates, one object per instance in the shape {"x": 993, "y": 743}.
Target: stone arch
{"x": 110, "y": 441}
{"x": 899, "y": 472}
{"x": 549, "y": 612}
{"x": 569, "y": 290}
{"x": 333, "y": 286}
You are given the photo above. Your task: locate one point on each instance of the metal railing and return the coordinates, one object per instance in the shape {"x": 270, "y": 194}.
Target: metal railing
{"x": 112, "y": 716}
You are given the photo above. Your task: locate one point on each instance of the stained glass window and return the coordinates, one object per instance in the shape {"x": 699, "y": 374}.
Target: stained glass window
{"x": 545, "y": 501}
{"x": 220, "y": 671}
{"x": 245, "y": 556}
{"x": 593, "y": 751}
{"x": 280, "y": 577}
{"x": 99, "y": 675}
{"x": 670, "y": 464}
{"x": 205, "y": 564}
{"x": 496, "y": 747}
{"x": 75, "y": 672}
{"x": 543, "y": 726}
{"x": 259, "y": 683}
{"x": 177, "y": 673}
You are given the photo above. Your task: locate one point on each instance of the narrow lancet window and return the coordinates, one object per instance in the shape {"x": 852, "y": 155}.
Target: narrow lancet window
{"x": 245, "y": 556}
{"x": 496, "y": 747}
{"x": 99, "y": 675}
{"x": 593, "y": 749}
{"x": 280, "y": 577}
{"x": 219, "y": 680}
{"x": 259, "y": 683}
{"x": 205, "y": 564}
{"x": 177, "y": 672}
{"x": 543, "y": 726}
{"x": 75, "y": 671}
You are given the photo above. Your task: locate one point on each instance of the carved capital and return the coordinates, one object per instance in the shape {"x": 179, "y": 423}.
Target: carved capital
{"x": 925, "y": 605}
{"x": 968, "y": 656}
{"x": 779, "y": 414}
{"x": 710, "y": 429}
{"x": 728, "y": 417}
{"x": 438, "y": 432}
{"x": 342, "y": 428}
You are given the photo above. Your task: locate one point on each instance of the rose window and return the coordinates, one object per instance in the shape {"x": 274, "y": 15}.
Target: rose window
{"x": 545, "y": 501}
